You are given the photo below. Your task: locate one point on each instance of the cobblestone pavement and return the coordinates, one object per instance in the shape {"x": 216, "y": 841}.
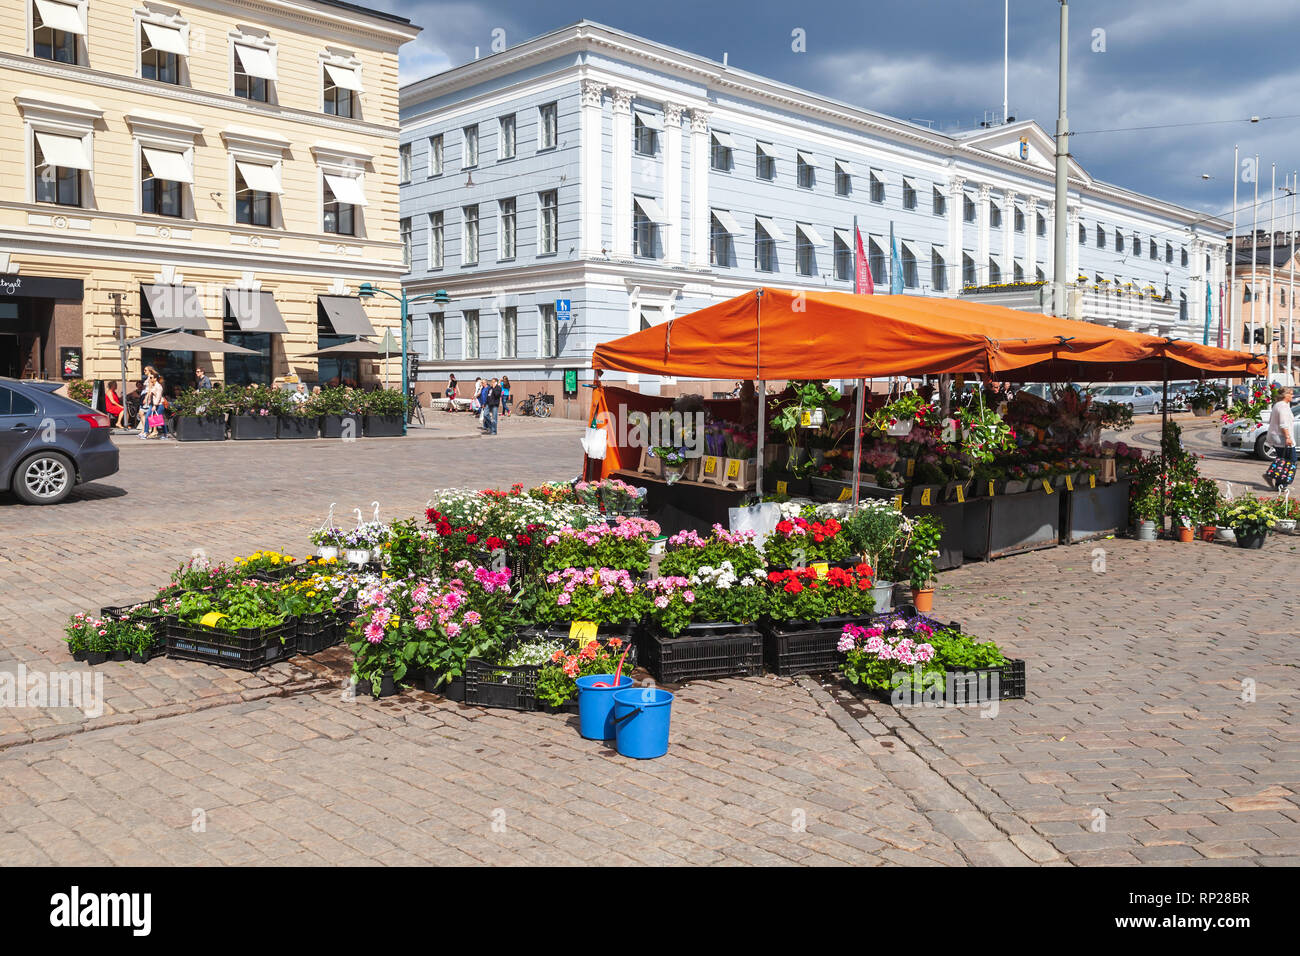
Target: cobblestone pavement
{"x": 1135, "y": 744}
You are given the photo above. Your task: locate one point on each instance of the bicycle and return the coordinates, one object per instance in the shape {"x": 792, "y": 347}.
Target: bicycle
{"x": 415, "y": 411}
{"x": 538, "y": 405}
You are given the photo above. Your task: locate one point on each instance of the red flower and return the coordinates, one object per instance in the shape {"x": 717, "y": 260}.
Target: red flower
{"x": 493, "y": 543}
{"x": 785, "y": 527}
{"x": 471, "y": 539}
{"x": 524, "y": 539}
{"x": 444, "y": 528}
{"x": 793, "y": 587}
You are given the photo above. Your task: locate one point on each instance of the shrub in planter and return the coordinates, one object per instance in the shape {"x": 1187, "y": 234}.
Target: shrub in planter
{"x": 602, "y": 595}
{"x": 255, "y": 411}
{"x": 922, "y": 550}
{"x": 801, "y": 594}
{"x": 911, "y": 653}
{"x": 301, "y": 421}
{"x": 876, "y": 531}
{"x": 200, "y": 414}
{"x": 1250, "y": 520}
{"x": 340, "y": 411}
{"x": 724, "y": 594}
{"x": 384, "y": 410}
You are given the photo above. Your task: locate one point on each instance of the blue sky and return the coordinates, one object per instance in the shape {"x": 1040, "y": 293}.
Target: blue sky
{"x": 1164, "y": 62}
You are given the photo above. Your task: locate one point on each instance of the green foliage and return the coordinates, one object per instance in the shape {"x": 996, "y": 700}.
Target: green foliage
{"x": 384, "y": 402}
{"x": 923, "y": 549}
{"x": 81, "y": 390}
{"x": 1249, "y": 515}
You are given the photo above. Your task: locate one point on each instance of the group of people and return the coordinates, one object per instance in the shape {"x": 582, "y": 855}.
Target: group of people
{"x": 489, "y": 400}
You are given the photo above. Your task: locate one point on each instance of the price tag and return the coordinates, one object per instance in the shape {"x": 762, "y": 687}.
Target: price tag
{"x": 733, "y": 467}
{"x": 211, "y": 618}
{"x": 711, "y": 465}
{"x": 911, "y": 467}
{"x": 1047, "y": 486}
{"x": 1069, "y": 482}
{"x": 584, "y": 632}
{"x": 961, "y": 494}
{"x": 845, "y": 494}
{"x": 898, "y": 502}
{"x": 821, "y": 567}
{"x": 806, "y": 418}
{"x": 925, "y": 496}
{"x": 1092, "y": 481}
{"x": 781, "y": 488}
{"x": 990, "y": 489}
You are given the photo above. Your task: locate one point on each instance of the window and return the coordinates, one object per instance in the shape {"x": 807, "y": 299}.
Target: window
{"x": 909, "y": 194}
{"x": 995, "y": 216}
{"x": 1245, "y": 294}
{"x": 548, "y": 233}
{"x": 1083, "y": 234}
{"x": 57, "y": 183}
{"x": 56, "y": 27}
{"x": 469, "y": 158}
{"x": 764, "y": 161}
{"x": 645, "y": 228}
{"x": 1184, "y": 255}
{"x": 1041, "y": 226}
{"x": 995, "y": 272}
{"x": 1039, "y": 274}
{"x": 549, "y": 330}
{"x": 254, "y": 73}
{"x": 1101, "y": 237}
{"x": 340, "y": 217}
{"x": 404, "y": 163}
{"x": 506, "y": 227}
{"x": 1019, "y": 219}
{"x": 721, "y": 156}
{"x": 764, "y": 248}
{"x": 404, "y": 228}
{"x": 805, "y": 173}
{"x": 1169, "y": 252}
{"x": 645, "y": 133}
{"x": 843, "y": 256}
{"x": 967, "y": 269}
{"x": 471, "y": 344}
{"x": 161, "y": 49}
{"x": 437, "y": 240}
{"x": 437, "y": 336}
{"x": 1182, "y": 307}
{"x": 938, "y": 271}
{"x": 843, "y": 178}
{"x": 509, "y": 332}
{"x": 469, "y": 235}
{"x": 938, "y": 201}
{"x": 506, "y": 133}
{"x": 722, "y": 245}
{"x": 877, "y": 186}
{"x": 1136, "y": 245}
{"x": 547, "y": 126}
{"x": 876, "y": 260}
{"x": 1017, "y": 272}
{"x": 340, "y": 88}
{"x": 1119, "y": 241}
{"x": 805, "y": 253}
{"x": 252, "y": 206}
{"x": 435, "y": 155}
{"x": 967, "y": 208}
{"x": 161, "y": 196}
{"x": 1152, "y": 250}
{"x": 911, "y": 277}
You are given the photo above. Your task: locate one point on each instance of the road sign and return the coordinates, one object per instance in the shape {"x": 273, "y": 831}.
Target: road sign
{"x": 563, "y": 310}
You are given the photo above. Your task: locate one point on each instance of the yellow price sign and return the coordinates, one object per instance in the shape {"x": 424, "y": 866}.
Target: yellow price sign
{"x": 1092, "y": 481}
{"x": 710, "y": 465}
{"x": 911, "y": 467}
{"x": 990, "y": 489}
{"x": 583, "y": 631}
{"x": 781, "y": 487}
{"x": 821, "y": 567}
{"x": 805, "y": 419}
{"x": 1047, "y": 486}
{"x": 925, "y": 496}
{"x": 961, "y": 494}
{"x": 898, "y": 502}
{"x": 1069, "y": 482}
{"x": 733, "y": 467}
{"x": 211, "y": 618}
{"x": 845, "y": 494}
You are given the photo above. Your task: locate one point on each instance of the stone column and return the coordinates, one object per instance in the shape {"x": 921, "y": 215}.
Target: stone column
{"x": 1031, "y": 239}
{"x": 593, "y": 135}
{"x": 1009, "y": 234}
{"x": 1075, "y": 213}
{"x": 982, "y": 227}
{"x": 700, "y": 214}
{"x": 956, "y": 220}
{"x": 621, "y": 219}
{"x": 673, "y": 182}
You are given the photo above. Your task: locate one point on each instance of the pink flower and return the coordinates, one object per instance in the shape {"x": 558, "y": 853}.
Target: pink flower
{"x": 453, "y": 629}
{"x": 423, "y": 621}
{"x": 374, "y": 632}
{"x": 562, "y": 598}
{"x": 472, "y": 617}
{"x": 661, "y": 602}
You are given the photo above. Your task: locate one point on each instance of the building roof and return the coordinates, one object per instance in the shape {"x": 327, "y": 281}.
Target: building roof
{"x": 356, "y": 8}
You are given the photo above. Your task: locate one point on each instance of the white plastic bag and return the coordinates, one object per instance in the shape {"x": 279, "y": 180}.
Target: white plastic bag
{"x": 760, "y": 518}
{"x": 594, "y": 443}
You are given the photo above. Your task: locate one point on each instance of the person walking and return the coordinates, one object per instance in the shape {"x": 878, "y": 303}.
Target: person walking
{"x": 150, "y": 403}
{"x": 484, "y": 389}
{"x": 491, "y": 406}
{"x": 505, "y": 394}
{"x": 475, "y": 398}
{"x": 1281, "y": 435}
{"x": 452, "y": 393}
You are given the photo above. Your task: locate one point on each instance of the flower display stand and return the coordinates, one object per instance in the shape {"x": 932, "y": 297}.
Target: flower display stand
{"x": 382, "y": 426}
{"x": 247, "y": 649}
{"x": 1088, "y": 513}
{"x": 190, "y": 428}
{"x": 334, "y": 426}
{"x": 977, "y": 686}
{"x": 805, "y": 647}
{"x": 1010, "y": 524}
{"x": 297, "y": 426}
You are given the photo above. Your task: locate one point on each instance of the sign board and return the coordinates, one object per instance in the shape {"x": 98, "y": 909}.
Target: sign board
{"x": 563, "y": 310}
{"x": 570, "y": 382}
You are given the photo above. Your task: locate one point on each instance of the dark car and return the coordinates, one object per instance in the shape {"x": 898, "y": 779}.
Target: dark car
{"x": 49, "y": 444}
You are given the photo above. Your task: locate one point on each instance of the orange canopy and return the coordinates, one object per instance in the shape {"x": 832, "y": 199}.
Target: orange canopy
{"x": 783, "y": 334}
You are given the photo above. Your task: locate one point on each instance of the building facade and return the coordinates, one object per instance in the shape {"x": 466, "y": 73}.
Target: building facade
{"x": 637, "y": 182}
{"x": 224, "y": 168}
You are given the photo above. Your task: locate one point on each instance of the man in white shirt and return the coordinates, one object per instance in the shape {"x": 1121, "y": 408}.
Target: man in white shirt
{"x": 299, "y": 396}
{"x": 1281, "y": 435}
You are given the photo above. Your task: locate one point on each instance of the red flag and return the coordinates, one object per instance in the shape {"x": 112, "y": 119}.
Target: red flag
{"x": 862, "y": 284}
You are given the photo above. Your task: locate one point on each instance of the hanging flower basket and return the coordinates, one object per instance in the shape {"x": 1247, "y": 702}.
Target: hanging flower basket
{"x": 900, "y": 428}
{"x": 812, "y": 417}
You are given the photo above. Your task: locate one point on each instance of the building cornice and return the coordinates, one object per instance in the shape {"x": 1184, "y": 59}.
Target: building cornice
{"x": 345, "y": 17}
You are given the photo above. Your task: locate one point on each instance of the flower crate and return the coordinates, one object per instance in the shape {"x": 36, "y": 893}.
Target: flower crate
{"x": 253, "y": 427}
{"x": 191, "y": 428}
{"x": 805, "y": 647}
{"x": 319, "y": 631}
{"x": 493, "y": 685}
{"x": 382, "y": 426}
{"x": 963, "y": 686}
{"x": 703, "y": 651}
{"x": 156, "y": 625}
{"x": 246, "y": 649}
{"x": 340, "y": 426}
{"x": 297, "y": 426}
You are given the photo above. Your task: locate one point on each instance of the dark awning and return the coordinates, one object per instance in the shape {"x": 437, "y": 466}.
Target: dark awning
{"x": 348, "y": 350}
{"x": 346, "y": 315}
{"x": 175, "y": 307}
{"x": 255, "y": 311}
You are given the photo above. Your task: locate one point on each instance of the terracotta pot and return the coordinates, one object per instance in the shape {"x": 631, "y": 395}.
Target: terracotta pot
{"x": 1207, "y": 532}
{"x": 1186, "y": 535}
{"x": 923, "y": 600}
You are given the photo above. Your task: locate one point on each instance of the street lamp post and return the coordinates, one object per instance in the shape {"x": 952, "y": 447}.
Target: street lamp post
{"x": 369, "y": 290}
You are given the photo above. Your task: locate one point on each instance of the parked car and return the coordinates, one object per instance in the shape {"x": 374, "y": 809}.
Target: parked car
{"x": 1143, "y": 399}
{"x": 1044, "y": 391}
{"x": 1251, "y": 435}
{"x": 49, "y": 443}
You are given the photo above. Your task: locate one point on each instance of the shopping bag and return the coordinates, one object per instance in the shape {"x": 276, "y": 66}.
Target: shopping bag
{"x": 156, "y": 421}
{"x": 760, "y": 518}
{"x": 594, "y": 443}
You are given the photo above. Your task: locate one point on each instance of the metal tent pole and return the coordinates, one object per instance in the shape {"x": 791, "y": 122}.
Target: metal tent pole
{"x": 1164, "y": 449}
{"x": 857, "y": 441}
{"x": 762, "y": 387}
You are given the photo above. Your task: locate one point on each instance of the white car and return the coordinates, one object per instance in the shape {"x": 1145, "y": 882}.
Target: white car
{"x": 1252, "y": 436}
{"x": 1140, "y": 398}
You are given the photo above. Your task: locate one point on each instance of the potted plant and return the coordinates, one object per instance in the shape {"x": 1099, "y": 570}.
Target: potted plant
{"x": 923, "y": 550}
{"x": 384, "y": 412}
{"x": 1286, "y": 511}
{"x": 807, "y": 610}
{"x": 339, "y": 408}
{"x": 795, "y": 413}
{"x": 1184, "y": 506}
{"x": 255, "y": 412}
{"x": 1250, "y": 520}
{"x": 673, "y": 460}
{"x": 875, "y": 531}
{"x": 1206, "y": 397}
{"x": 200, "y": 414}
{"x": 1208, "y": 503}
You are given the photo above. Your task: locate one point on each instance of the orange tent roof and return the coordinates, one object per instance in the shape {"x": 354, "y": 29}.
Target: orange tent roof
{"x": 781, "y": 334}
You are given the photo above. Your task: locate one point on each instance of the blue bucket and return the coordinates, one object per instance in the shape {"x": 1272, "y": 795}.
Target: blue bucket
{"x": 596, "y": 705}
{"x": 641, "y": 717}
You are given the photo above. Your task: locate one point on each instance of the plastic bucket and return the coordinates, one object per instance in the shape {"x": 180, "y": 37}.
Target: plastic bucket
{"x": 596, "y": 705}
{"x": 641, "y": 717}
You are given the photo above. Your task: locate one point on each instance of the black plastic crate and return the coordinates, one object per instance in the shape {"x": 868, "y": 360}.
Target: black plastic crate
{"x": 319, "y": 631}
{"x": 121, "y": 610}
{"x": 246, "y": 649}
{"x": 969, "y": 687}
{"x": 515, "y": 688}
{"x": 703, "y": 652}
{"x": 807, "y": 647}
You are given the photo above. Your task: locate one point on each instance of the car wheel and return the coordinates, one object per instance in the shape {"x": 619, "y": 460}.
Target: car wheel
{"x": 1263, "y": 450}
{"x": 1155, "y": 408}
{"x": 44, "y": 479}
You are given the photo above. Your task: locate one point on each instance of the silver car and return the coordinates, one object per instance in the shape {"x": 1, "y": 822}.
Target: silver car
{"x": 1143, "y": 399}
{"x": 1251, "y": 435}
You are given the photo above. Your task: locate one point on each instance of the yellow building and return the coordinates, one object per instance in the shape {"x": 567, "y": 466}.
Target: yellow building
{"x": 223, "y": 168}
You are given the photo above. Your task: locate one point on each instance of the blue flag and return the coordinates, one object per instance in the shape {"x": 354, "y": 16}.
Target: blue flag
{"x": 895, "y": 265}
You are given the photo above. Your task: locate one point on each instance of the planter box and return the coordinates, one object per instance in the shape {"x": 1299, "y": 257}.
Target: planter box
{"x": 247, "y": 649}
{"x": 253, "y": 427}
{"x": 805, "y": 647}
{"x": 704, "y": 651}
{"x": 295, "y": 426}
{"x": 492, "y": 685}
{"x": 382, "y": 426}
{"x": 794, "y": 487}
{"x": 334, "y": 426}
{"x": 1010, "y": 524}
{"x": 960, "y": 687}
{"x": 388, "y": 687}
{"x": 188, "y": 428}
{"x": 1094, "y": 512}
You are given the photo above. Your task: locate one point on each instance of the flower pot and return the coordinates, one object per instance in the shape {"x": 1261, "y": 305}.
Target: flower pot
{"x": 296, "y": 426}
{"x": 347, "y": 427}
{"x": 96, "y": 657}
{"x": 883, "y": 593}
{"x": 209, "y": 428}
{"x": 1186, "y": 535}
{"x": 382, "y": 426}
{"x": 923, "y": 600}
{"x": 1225, "y": 534}
{"x": 1146, "y": 530}
{"x": 1202, "y": 411}
{"x": 1207, "y": 532}
{"x": 673, "y": 473}
{"x": 900, "y": 428}
{"x": 1016, "y": 486}
{"x": 254, "y": 427}
{"x": 1285, "y": 525}
{"x": 387, "y": 687}
{"x": 659, "y": 545}
{"x": 79, "y": 655}
{"x": 120, "y": 655}
{"x": 1251, "y": 539}
{"x": 812, "y": 417}
{"x": 327, "y": 553}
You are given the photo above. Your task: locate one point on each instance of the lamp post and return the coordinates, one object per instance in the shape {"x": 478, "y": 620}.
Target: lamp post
{"x": 369, "y": 290}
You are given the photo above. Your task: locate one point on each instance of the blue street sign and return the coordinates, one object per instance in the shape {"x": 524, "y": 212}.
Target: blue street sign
{"x": 563, "y": 310}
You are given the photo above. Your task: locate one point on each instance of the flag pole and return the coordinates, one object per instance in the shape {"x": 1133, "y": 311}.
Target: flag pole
{"x": 1290, "y": 295}
{"x": 1232, "y": 254}
{"x": 1254, "y": 253}
{"x": 1272, "y": 267}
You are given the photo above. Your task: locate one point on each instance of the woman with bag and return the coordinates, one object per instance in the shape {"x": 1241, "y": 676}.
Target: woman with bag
{"x": 151, "y": 417}
{"x": 451, "y": 393}
{"x": 1281, "y": 435}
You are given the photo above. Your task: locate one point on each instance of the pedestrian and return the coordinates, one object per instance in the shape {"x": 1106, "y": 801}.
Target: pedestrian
{"x": 475, "y": 398}
{"x": 201, "y": 379}
{"x": 491, "y": 406}
{"x": 484, "y": 389}
{"x": 151, "y": 417}
{"x": 505, "y": 394}
{"x": 299, "y": 395}
{"x": 451, "y": 393}
{"x": 1281, "y": 435}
